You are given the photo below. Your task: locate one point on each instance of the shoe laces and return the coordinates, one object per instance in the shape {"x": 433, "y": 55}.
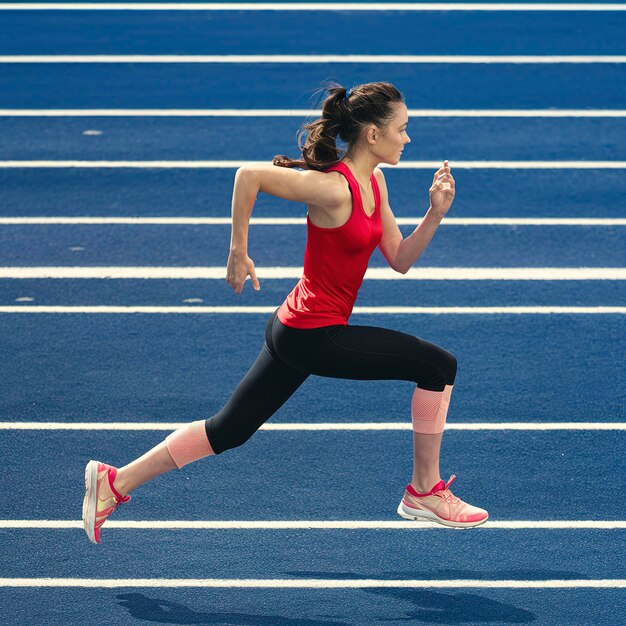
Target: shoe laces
{"x": 446, "y": 494}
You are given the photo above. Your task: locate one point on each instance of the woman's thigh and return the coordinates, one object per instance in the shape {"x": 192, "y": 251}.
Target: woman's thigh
{"x": 267, "y": 385}
{"x": 366, "y": 353}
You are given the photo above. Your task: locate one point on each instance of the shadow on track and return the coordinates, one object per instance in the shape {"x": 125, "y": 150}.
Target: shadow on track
{"x": 435, "y": 607}
{"x": 142, "y": 607}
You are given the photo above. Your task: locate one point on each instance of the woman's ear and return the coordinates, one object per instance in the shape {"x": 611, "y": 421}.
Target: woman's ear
{"x": 372, "y": 134}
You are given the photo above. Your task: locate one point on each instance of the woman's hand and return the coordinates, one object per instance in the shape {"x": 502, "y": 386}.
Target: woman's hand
{"x": 239, "y": 267}
{"x": 442, "y": 190}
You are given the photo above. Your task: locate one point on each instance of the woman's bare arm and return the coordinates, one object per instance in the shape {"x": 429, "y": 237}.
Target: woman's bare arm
{"x": 308, "y": 186}
{"x": 402, "y": 253}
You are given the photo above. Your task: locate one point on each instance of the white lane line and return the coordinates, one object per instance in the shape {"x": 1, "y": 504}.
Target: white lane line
{"x": 366, "y": 310}
{"x": 309, "y": 58}
{"x": 312, "y": 525}
{"x": 373, "y": 273}
{"x": 552, "y": 113}
{"x": 301, "y": 221}
{"x": 310, "y": 6}
{"x": 322, "y": 426}
{"x": 405, "y": 165}
{"x": 309, "y": 583}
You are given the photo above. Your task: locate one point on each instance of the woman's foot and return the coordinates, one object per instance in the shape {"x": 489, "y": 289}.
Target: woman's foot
{"x": 101, "y": 497}
{"x": 441, "y": 506}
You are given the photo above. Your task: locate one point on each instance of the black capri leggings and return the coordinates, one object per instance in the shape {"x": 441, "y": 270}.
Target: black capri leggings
{"x": 290, "y": 355}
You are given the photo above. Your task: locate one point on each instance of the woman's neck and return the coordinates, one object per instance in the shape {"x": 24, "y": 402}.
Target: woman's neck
{"x": 361, "y": 167}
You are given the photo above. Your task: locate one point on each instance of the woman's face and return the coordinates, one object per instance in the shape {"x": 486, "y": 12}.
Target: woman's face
{"x": 391, "y": 140}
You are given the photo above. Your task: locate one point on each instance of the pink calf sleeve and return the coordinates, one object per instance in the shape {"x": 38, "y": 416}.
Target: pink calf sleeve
{"x": 189, "y": 443}
{"x": 429, "y": 410}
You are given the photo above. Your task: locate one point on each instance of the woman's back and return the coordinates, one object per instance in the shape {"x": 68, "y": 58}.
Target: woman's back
{"x": 335, "y": 261}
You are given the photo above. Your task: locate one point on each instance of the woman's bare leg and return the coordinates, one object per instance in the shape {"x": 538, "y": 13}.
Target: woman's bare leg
{"x": 153, "y": 463}
{"x": 185, "y": 445}
{"x": 157, "y": 461}
{"x": 426, "y": 461}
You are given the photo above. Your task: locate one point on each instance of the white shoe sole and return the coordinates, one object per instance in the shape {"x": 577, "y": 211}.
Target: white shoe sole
{"x": 89, "y": 502}
{"x": 416, "y": 515}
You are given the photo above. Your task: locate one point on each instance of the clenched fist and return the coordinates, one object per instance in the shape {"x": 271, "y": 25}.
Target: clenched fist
{"x": 442, "y": 190}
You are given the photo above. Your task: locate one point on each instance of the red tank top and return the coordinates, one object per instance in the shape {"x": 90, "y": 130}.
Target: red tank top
{"x": 335, "y": 261}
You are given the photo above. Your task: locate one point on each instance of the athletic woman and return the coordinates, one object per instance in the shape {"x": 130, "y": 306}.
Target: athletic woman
{"x": 348, "y": 217}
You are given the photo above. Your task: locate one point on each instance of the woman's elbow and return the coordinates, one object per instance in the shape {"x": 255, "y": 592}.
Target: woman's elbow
{"x": 243, "y": 172}
{"x": 246, "y": 176}
{"x": 397, "y": 266}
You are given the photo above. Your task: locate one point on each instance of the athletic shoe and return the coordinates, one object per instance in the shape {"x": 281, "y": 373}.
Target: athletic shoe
{"x": 439, "y": 505}
{"x": 96, "y": 509}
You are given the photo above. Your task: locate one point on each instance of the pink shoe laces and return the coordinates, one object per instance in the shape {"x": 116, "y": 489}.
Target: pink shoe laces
{"x": 440, "y": 489}
{"x": 446, "y": 494}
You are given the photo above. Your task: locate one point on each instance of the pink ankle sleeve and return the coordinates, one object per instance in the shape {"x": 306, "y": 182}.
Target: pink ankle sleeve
{"x": 429, "y": 410}
{"x": 189, "y": 443}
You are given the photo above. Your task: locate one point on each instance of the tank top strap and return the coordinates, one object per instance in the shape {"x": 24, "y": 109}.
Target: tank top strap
{"x": 356, "y": 188}
{"x": 352, "y": 181}
{"x": 376, "y": 191}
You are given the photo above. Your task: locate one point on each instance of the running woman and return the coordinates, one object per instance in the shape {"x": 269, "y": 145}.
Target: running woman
{"x": 348, "y": 217}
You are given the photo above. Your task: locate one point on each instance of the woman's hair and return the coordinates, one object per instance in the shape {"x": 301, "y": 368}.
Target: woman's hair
{"x": 344, "y": 114}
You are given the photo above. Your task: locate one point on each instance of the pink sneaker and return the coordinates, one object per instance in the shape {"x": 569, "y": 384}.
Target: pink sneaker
{"x": 96, "y": 508}
{"x": 441, "y": 506}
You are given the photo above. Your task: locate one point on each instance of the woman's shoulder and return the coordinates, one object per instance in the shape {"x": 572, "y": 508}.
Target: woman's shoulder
{"x": 380, "y": 177}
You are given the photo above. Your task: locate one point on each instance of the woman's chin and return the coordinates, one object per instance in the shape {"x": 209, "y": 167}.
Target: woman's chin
{"x": 392, "y": 161}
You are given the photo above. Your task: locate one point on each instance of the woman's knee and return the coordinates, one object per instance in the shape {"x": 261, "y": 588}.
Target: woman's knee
{"x": 223, "y": 438}
{"x": 449, "y": 366}
{"x": 441, "y": 371}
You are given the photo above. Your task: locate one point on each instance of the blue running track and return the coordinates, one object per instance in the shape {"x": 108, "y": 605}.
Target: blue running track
{"x": 536, "y": 424}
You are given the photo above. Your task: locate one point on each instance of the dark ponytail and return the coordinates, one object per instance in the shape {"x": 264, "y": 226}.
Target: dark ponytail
{"x": 344, "y": 114}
